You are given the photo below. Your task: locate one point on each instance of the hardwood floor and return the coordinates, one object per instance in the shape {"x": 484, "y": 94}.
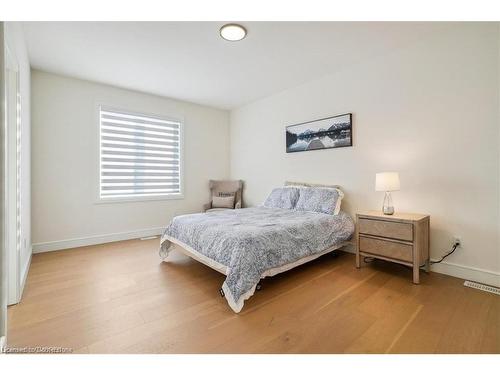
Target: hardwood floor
{"x": 119, "y": 298}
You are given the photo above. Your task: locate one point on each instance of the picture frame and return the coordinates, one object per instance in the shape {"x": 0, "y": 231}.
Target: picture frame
{"x": 320, "y": 134}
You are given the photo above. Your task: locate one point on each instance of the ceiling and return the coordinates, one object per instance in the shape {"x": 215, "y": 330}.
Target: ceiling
{"x": 189, "y": 60}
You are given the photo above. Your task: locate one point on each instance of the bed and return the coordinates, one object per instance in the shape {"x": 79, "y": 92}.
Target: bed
{"x": 249, "y": 244}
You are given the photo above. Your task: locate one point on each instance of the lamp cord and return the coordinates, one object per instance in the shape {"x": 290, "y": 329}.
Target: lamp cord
{"x": 447, "y": 254}
{"x": 455, "y": 246}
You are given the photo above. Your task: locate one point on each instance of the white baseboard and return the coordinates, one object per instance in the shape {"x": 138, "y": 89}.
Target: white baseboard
{"x": 25, "y": 275}
{"x": 43, "y": 247}
{"x": 468, "y": 273}
{"x": 458, "y": 270}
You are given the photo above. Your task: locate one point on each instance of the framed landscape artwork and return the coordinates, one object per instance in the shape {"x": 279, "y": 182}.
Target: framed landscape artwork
{"x": 330, "y": 132}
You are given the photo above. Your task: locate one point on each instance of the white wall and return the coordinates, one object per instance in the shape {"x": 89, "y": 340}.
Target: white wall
{"x": 65, "y": 161}
{"x": 429, "y": 111}
{"x": 14, "y": 37}
{"x": 3, "y": 249}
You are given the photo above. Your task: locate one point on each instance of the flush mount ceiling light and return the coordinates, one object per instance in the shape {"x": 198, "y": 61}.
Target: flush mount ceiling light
{"x": 233, "y": 32}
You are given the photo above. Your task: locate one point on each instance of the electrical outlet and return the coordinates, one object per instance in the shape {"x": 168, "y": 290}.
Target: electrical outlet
{"x": 457, "y": 240}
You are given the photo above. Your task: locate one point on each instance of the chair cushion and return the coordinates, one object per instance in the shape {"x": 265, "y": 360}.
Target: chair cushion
{"x": 217, "y": 209}
{"x": 223, "y": 202}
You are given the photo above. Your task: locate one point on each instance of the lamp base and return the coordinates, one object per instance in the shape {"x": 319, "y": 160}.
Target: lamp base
{"x": 387, "y": 207}
{"x": 388, "y": 210}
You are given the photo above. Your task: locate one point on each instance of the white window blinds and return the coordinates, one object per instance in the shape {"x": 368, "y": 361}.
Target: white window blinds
{"x": 139, "y": 155}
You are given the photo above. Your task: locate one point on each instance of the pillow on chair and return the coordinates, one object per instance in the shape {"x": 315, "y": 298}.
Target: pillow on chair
{"x": 223, "y": 201}
{"x": 282, "y": 198}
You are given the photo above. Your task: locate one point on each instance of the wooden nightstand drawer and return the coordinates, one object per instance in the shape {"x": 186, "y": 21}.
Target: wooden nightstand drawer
{"x": 388, "y": 249}
{"x": 389, "y": 229}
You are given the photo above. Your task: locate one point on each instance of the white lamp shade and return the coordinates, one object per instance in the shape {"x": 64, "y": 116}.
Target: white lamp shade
{"x": 387, "y": 181}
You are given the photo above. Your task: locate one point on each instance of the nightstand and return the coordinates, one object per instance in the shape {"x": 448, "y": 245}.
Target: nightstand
{"x": 401, "y": 238}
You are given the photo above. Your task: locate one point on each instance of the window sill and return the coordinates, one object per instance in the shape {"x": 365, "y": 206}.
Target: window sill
{"x": 140, "y": 199}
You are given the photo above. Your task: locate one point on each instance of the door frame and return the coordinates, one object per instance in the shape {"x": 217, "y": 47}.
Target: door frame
{"x": 3, "y": 249}
{"x": 12, "y": 172}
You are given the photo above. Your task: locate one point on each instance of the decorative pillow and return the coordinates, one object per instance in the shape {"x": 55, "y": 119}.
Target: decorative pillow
{"x": 223, "y": 202}
{"x": 282, "y": 198}
{"x": 325, "y": 200}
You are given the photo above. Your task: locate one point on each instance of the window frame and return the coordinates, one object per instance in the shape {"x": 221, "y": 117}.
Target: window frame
{"x": 159, "y": 197}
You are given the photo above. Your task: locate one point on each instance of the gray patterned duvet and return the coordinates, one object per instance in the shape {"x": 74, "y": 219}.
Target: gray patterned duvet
{"x": 251, "y": 241}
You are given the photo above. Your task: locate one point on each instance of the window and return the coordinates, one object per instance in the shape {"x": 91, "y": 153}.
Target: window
{"x": 139, "y": 156}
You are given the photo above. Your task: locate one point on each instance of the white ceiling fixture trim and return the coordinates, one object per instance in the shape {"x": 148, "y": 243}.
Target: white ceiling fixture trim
{"x": 233, "y": 32}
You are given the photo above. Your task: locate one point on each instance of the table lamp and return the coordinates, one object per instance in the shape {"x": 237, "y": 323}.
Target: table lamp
{"x": 387, "y": 181}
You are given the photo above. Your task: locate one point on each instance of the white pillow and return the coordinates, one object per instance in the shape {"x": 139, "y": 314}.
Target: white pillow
{"x": 223, "y": 202}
